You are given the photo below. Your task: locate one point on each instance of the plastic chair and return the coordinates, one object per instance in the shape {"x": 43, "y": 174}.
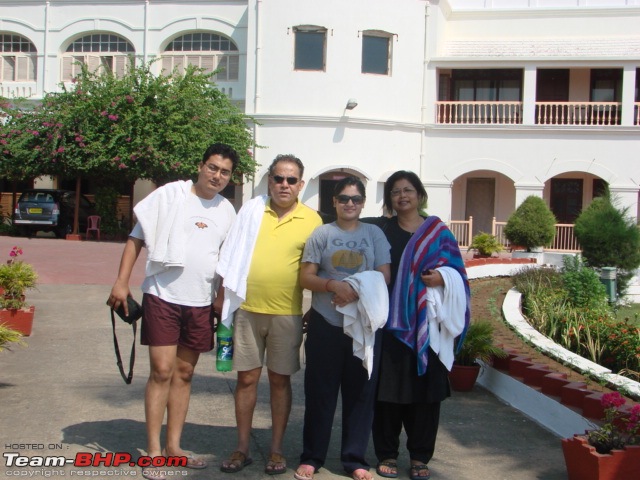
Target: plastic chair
{"x": 93, "y": 224}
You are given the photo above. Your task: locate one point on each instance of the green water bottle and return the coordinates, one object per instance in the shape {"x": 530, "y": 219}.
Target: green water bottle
{"x": 224, "y": 351}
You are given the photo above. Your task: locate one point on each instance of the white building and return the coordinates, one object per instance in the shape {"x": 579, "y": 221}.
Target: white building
{"x": 489, "y": 101}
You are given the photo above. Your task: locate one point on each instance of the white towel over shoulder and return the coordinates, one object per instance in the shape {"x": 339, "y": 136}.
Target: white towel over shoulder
{"x": 164, "y": 231}
{"x": 363, "y": 317}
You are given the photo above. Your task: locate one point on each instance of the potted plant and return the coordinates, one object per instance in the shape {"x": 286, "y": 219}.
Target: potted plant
{"x": 609, "y": 452}
{"x": 532, "y": 225}
{"x": 485, "y": 244}
{"x": 477, "y": 345}
{"x": 7, "y": 336}
{"x": 16, "y": 277}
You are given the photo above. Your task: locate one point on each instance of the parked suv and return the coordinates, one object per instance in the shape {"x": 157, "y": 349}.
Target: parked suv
{"x": 50, "y": 211}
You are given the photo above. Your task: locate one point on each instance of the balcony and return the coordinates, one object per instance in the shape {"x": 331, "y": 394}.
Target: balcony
{"x": 546, "y": 113}
{"x": 18, "y": 89}
{"x": 478, "y": 113}
{"x": 578, "y": 113}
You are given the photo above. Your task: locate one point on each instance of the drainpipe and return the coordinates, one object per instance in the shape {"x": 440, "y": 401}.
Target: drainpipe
{"x": 43, "y": 81}
{"x": 145, "y": 38}
{"x": 256, "y": 85}
{"x": 423, "y": 107}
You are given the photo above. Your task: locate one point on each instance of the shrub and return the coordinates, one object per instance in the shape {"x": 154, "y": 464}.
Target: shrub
{"x": 531, "y": 225}
{"x": 485, "y": 244}
{"x": 609, "y": 238}
{"x": 583, "y": 286}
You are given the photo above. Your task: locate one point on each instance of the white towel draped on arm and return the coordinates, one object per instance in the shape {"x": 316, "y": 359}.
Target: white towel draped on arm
{"x": 236, "y": 254}
{"x": 366, "y": 315}
{"x": 445, "y": 312}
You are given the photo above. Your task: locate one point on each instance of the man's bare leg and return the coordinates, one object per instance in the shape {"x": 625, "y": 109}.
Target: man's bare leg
{"x": 280, "y": 386}
{"x": 156, "y": 397}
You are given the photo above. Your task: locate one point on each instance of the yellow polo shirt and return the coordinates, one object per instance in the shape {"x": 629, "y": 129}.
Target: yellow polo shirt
{"x": 273, "y": 284}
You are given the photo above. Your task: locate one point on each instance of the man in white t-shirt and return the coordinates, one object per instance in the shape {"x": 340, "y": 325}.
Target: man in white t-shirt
{"x": 183, "y": 225}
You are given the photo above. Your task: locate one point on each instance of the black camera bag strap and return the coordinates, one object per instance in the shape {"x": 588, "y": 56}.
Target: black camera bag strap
{"x": 132, "y": 359}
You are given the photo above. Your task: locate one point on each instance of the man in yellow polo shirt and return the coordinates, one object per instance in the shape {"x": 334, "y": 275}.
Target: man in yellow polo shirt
{"x": 271, "y": 232}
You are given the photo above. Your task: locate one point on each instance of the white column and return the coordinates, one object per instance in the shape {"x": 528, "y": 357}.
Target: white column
{"x": 529, "y": 95}
{"x": 439, "y": 202}
{"x": 524, "y": 190}
{"x": 626, "y": 197}
{"x": 628, "y": 94}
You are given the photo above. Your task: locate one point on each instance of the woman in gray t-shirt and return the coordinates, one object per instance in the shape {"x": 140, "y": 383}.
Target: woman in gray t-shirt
{"x": 332, "y": 253}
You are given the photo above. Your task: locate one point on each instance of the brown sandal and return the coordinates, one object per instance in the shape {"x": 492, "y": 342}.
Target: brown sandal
{"x": 236, "y": 462}
{"x": 276, "y": 465}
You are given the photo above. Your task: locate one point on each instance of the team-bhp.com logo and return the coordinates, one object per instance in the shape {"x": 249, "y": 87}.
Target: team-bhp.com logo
{"x": 85, "y": 459}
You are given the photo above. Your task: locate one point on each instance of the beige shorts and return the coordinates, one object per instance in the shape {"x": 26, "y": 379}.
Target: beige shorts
{"x": 279, "y": 335}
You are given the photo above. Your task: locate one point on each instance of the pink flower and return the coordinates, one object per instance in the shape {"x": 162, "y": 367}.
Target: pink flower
{"x": 104, "y": 113}
{"x": 612, "y": 400}
{"x": 113, "y": 117}
{"x": 129, "y": 99}
{"x": 121, "y": 166}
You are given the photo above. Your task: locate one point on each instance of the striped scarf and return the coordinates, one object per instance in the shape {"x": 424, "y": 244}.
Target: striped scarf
{"x": 431, "y": 246}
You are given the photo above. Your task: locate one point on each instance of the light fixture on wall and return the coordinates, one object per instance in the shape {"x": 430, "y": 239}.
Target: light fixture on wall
{"x": 352, "y": 103}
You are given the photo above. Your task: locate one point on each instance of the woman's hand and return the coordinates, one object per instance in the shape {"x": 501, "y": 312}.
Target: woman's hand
{"x": 343, "y": 293}
{"x": 432, "y": 278}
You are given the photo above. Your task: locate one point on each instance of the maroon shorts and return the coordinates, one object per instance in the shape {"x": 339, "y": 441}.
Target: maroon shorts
{"x": 165, "y": 323}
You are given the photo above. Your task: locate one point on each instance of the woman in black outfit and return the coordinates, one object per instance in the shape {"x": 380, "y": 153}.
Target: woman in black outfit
{"x": 405, "y": 397}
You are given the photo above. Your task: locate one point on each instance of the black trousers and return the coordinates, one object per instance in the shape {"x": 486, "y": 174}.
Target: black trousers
{"x": 420, "y": 421}
{"x": 331, "y": 369}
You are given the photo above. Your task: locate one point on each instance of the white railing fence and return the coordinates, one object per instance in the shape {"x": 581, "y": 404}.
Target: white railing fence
{"x": 578, "y": 113}
{"x": 564, "y": 240}
{"x": 479, "y": 113}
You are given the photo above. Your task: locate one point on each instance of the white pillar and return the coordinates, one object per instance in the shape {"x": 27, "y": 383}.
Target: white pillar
{"x": 439, "y": 202}
{"x": 529, "y": 95}
{"x": 626, "y": 197}
{"x": 628, "y": 95}
{"x": 524, "y": 190}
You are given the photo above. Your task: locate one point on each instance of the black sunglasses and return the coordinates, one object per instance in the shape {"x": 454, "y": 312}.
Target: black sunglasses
{"x": 280, "y": 179}
{"x": 344, "y": 199}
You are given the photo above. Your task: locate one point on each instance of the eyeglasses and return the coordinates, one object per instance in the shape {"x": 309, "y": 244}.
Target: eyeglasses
{"x": 215, "y": 169}
{"x": 280, "y": 179}
{"x": 344, "y": 199}
{"x": 406, "y": 190}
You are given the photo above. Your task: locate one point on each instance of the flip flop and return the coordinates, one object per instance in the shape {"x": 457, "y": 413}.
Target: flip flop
{"x": 363, "y": 475}
{"x": 306, "y": 474}
{"x": 276, "y": 465}
{"x": 414, "y": 472}
{"x": 193, "y": 462}
{"x": 236, "y": 462}
{"x": 391, "y": 465}
{"x": 197, "y": 463}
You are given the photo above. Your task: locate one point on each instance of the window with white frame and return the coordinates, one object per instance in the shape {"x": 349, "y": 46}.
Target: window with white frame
{"x": 17, "y": 59}
{"x": 310, "y": 47}
{"x": 208, "y": 51}
{"x": 376, "y": 52}
{"x": 101, "y": 52}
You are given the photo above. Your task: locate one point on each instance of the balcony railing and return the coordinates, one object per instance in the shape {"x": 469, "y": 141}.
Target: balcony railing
{"x": 578, "y": 113}
{"x": 479, "y": 113}
{"x": 564, "y": 240}
{"x": 546, "y": 113}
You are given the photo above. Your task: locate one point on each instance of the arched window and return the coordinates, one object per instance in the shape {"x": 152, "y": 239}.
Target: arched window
{"x": 205, "y": 50}
{"x": 18, "y": 59}
{"x": 102, "y": 52}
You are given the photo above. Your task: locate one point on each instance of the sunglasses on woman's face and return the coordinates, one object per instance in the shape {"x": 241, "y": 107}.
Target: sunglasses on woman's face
{"x": 280, "y": 179}
{"x": 344, "y": 199}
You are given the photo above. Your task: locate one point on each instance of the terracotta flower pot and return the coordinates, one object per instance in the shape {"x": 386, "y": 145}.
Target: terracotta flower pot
{"x": 584, "y": 463}
{"x": 18, "y": 319}
{"x": 462, "y": 378}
